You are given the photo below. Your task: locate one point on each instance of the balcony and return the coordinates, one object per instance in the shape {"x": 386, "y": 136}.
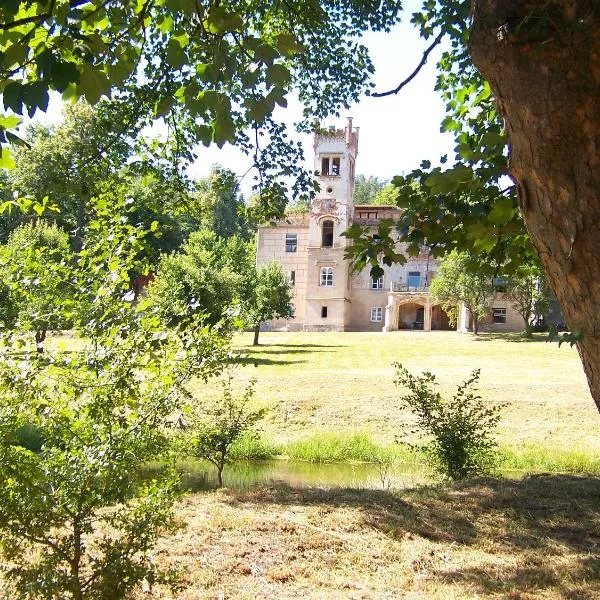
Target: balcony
{"x": 412, "y": 286}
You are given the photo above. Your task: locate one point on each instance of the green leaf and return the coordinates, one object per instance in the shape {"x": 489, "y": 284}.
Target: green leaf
{"x": 265, "y": 53}
{"x": 93, "y": 83}
{"x": 7, "y": 160}
{"x": 63, "y": 74}
{"x": 220, "y": 20}
{"x": 277, "y": 75}
{"x": 287, "y": 44}
{"x": 175, "y": 55}
{"x": 163, "y": 107}
{"x": 13, "y": 96}
{"x": 502, "y": 211}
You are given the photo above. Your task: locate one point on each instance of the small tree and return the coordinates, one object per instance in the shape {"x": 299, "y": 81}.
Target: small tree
{"x": 528, "y": 293}
{"x": 224, "y": 424}
{"x": 461, "y": 280}
{"x": 270, "y": 298}
{"x": 76, "y": 520}
{"x": 199, "y": 280}
{"x": 34, "y": 264}
{"x": 458, "y": 432}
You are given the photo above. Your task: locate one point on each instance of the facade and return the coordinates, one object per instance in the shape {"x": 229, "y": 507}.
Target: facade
{"x": 327, "y": 295}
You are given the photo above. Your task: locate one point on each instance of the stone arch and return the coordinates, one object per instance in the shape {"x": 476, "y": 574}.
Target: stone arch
{"x": 440, "y": 320}
{"x": 411, "y": 314}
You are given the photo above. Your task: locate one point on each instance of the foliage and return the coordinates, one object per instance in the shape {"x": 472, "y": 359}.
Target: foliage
{"x": 207, "y": 277}
{"x": 220, "y": 207}
{"x": 75, "y": 520}
{"x": 459, "y": 431}
{"x": 387, "y": 196}
{"x": 34, "y": 264}
{"x": 70, "y": 163}
{"x": 337, "y": 447}
{"x": 270, "y": 297}
{"x": 211, "y": 72}
{"x": 366, "y": 189}
{"x": 467, "y": 203}
{"x": 300, "y": 207}
{"x": 462, "y": 279}
{"x": 224, "y": 424}
{"x": 528, "y": 292}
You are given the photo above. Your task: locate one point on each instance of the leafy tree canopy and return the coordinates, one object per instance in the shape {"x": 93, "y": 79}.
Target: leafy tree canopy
{"x": 366, "y": 189}
{"x": 219, "y": 205}
{"x": 462, "y": 279}
{"x": 210, "y": 71}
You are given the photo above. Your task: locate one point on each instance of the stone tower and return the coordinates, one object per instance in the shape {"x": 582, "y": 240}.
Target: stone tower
{"x": 328, "y": 276}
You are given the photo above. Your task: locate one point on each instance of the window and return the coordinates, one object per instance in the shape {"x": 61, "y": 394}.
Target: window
{"x": 414, "y": 279}
{"x": 377, "y": 315}
{"x": 335, "y": 165}
{"x": 293, "y": 277}
{"x": 326, "y": 276}
{"x": 330, "y": 165}
{"x": 377, "y": 284}
{"x": 292, "y": 312}
{"x": 323, "y": 312}
{"x": 327, "y": 234}
{"x": 291, "y": 242}
{"x": 499, "y": 315}
{"x": 499, "y": 284}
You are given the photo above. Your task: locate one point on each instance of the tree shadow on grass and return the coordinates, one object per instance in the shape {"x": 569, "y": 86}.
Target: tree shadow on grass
{"x": 539, "y": 535}
{"x": 518, "y": 338}
{"x": 268, "y": 345}
{"x": 260, "y": 350}
{"x": 257, "y": 360}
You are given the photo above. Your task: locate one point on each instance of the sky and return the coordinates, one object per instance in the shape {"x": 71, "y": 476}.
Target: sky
{"x": 396, "y": 132}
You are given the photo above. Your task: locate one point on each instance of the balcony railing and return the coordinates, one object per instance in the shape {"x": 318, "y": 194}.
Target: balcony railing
{"x": 412, "y": 286}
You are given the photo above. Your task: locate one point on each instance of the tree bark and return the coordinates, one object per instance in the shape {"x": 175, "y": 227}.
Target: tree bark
{"x": 256, "y": 333}
{"x": 542, "y": 60}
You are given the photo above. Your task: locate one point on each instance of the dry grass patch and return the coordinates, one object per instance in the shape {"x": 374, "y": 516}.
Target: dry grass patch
{"x": 534, "y": 538}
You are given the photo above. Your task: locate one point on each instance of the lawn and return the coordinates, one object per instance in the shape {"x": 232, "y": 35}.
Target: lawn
{"x": 520, "y": 538}
{"x": 343, "y": 382}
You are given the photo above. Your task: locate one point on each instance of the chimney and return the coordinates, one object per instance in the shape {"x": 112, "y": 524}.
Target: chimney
{"x": 349, "y": 131}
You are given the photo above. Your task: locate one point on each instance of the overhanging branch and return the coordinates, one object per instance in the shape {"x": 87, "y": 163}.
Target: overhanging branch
{"x": 421, "y": 64}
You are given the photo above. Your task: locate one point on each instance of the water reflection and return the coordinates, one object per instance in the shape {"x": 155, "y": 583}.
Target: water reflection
{"x": 198, "y": 475}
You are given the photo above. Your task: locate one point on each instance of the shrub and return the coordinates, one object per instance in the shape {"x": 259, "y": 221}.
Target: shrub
{"x": 76, "y": 426}
{"x": 224, "y": 424}
{"x": 458, "y": 431}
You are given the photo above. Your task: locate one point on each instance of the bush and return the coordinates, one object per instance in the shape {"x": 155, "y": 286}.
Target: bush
{"x": 458, "y": 432}
{"x": 224, "y": 424}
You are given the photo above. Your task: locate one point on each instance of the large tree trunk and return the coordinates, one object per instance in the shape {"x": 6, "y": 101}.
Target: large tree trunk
{"x": 542, "y": 60}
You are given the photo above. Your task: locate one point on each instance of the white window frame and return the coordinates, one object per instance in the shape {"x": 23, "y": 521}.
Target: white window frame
{"x": 334, "y": 163}
{"x": 326, "y": 277}
{"x": 291, "y": 242}
{"x": 377, "y": 314}
{"x": 499, "y": 315}
{"x": 377, "y": 284}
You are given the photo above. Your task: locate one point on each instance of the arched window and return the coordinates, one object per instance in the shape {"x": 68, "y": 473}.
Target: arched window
{"x": 327, "y": 234}
{"x": 326, "y": 276}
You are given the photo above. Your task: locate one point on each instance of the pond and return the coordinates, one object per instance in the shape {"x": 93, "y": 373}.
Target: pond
{"x": 198, "y": 475}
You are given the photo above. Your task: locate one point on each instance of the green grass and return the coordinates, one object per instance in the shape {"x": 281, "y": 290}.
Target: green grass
{"x": 254, "y": 447}
{"x": 543, "y": 459}
{"x": 340, "y": 447}
{"x": 316, "y": 383}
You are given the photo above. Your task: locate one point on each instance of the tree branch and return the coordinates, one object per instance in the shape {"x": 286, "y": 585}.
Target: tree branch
{"x": 421, "y": 64}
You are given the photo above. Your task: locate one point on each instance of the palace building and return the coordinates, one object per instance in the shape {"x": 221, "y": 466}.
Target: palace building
{"x": 327, "y": 295}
